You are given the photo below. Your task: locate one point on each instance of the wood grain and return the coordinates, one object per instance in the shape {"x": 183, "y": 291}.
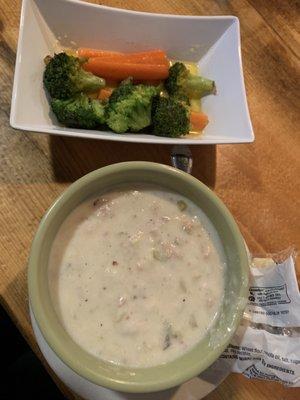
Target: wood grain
{"x": 259, "y": 182}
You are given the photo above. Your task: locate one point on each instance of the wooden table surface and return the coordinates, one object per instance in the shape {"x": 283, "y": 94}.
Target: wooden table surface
{"x": 258, "y": 182}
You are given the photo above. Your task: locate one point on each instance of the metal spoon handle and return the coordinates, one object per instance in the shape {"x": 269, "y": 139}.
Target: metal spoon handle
{"x": 181, "y": 158}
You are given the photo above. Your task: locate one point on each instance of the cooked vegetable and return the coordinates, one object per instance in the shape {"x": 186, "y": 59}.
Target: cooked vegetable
{"x": 167, "y": 340}
{"x": 198, "y": 120}
{"x": 181, "y": 205}
{"x": 129, "y": 107}
{"x": 87, "y": 53}
{"x": 118, "y": 70}
{"x": 170, "y": 117}
{"x": 152, "y": 94}
{"x": 181, "y": 81}
{"x": 143, "y": 57}
{"x": 79, "y": 112}
{"x": 105, "y": 93}
{"x": 170, "y": 335}
{"x": 64, "y": 77}
{"x": 122, "y": 91}
{"x": 136, "y": 59}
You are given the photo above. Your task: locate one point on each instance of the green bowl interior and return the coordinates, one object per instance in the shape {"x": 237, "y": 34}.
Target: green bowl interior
{"x": 207, "y": 350}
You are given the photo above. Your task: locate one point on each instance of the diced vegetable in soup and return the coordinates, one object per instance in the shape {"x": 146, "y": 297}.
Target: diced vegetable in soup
{"x": 137, "y": 275}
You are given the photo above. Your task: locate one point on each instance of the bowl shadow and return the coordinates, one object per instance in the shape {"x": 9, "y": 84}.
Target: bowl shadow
{"x": 71, "y": 158}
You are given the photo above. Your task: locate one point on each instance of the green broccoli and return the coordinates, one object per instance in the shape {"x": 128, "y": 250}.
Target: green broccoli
{"x": 170, "y": 117}
{"x": 125, "y": 89}
{"x": 79, "y": 112}
{"x": 64, "y": 77}
{"x": 181, "y": 81}
{"x": 129, "y": 107}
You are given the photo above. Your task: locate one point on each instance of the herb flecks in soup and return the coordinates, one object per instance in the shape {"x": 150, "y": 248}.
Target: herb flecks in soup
{"x": 137, "y": 276}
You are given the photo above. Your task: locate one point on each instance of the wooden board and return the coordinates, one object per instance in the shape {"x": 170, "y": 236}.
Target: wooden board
{"x": 258, "y": 182}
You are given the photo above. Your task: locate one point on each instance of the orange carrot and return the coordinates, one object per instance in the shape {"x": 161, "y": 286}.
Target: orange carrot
{"x": 105, "y": 93}
{"x": 154, "y": 54}
{"x": 86, "y": 52}
{"x": 145, "y": 57}
{"x": 138, "y": 59}
{"x": 119, "y": 71}
{"x": 111, "y": 83}
{"x": 198, "y": 120}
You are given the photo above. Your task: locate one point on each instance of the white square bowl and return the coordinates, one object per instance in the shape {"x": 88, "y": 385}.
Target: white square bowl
{"x": 212, "y": 42}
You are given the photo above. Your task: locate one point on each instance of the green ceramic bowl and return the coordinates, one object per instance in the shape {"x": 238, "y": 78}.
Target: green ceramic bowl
{"x": 208, "y": 349}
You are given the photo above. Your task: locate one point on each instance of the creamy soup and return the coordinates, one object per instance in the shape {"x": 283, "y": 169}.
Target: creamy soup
{"x": 137, "y": 275}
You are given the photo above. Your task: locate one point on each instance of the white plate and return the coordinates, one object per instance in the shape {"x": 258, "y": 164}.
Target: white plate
{"x": 212, "y": 42}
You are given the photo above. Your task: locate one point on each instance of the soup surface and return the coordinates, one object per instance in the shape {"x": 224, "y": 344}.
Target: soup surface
{"x": 137, "y": 275}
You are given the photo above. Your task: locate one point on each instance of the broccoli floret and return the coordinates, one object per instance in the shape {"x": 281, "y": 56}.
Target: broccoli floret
{"x": 79, "y": 112}
{"x": 125, "y": 89}
{"x": 64, "y": 77}
{"x": 129, "y": 107}
{"x": 181, "y": 81}
{"x": 170, "y": 117}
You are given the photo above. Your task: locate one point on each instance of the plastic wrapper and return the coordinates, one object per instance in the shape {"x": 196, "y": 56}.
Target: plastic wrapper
{"x": 267, "y": 343}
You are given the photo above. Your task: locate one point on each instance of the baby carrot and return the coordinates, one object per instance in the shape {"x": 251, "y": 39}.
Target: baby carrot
{"x": 144, "y": 57}
{"x": 105, "y": 93}
{"x": 119, "y": 70}
{"x": 86, "y": 52}
{"x": 138, "y": 59}
{"x": 198, "y": 120}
